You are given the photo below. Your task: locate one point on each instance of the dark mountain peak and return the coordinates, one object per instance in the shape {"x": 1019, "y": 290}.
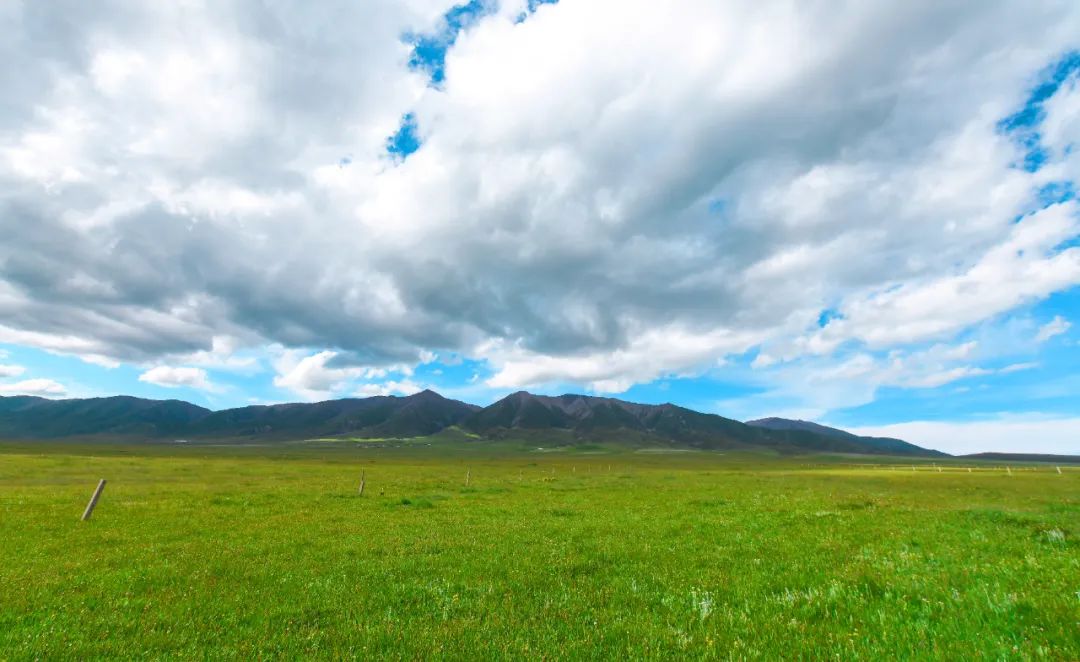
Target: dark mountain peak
{"x": 772, "y": 420}
{"x": 414, "y": 415}
{"x": 598, "y": 418}
{"x": 775, "y": 423}
{"x": 522, "y": 396}
{"x": 518, "y": 410}
{"x": 572, "y": 405}
{"x": 427, "y": 395}
{"x": 569, "y": 397}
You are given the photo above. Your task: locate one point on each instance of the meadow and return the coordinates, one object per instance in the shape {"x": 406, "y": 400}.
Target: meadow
{"x": 242, "y": 553}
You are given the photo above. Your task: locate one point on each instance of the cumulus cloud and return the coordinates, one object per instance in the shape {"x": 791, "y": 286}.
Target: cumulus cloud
{"x": 309, "y": 375}
{"x": 607, "y": 192}
{"x": 175, "y": 377}
{"x": 1022, "y": 268}
{"x": 11, "y": 370}
{"x": 1053, "y": 328}
{"x": 226, "y": 354}
{"x": 45, "y": 388}
{"x": 325, "y": 374}
{"x": 649, "y": 353}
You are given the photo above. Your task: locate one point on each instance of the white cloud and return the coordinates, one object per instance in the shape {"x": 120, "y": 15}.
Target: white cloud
{"x": 1009, "y": 434}
{"x": 11, "y": 370}
{"x": 323, "y": 375}
{"x": 639, "y": 202}
{"x": 391, "y": 387}
{"x": 224, "y": 354}
{"x": 1018, "y": 367}
{"x": 1060, "y": 130}
{"x": 45, "y": 388}
{"x": 175, "y": 377}
{"x": 1023, "y": 268}
{"x": 309, "y": 376}
{"x": 651, "y": 353}
{"x": 811, "y": 387}
{"x": 763, "y": 360}
{"x": 1054, "y": 327}
{"x": 427, "y": 356}
{"x": 65, "y": 344}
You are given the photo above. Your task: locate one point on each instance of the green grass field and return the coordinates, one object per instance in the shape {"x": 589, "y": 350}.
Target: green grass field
{"x": 240, "y": 553}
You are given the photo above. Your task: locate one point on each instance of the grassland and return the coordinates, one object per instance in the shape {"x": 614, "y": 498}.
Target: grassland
{"x": 236, "y": 553}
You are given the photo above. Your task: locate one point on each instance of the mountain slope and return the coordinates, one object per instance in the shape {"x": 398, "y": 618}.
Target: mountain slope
{"x": 879, "y": 444}
{"x": 588, "y": 418}
{"x": 552, "y": 420}
{"x": 1024, "y": 457}
{"x": 26, "y": 417}
{"x": 390, "y": 416}
{"x": 774, "y": 423}
{"x": 416, "y": 415}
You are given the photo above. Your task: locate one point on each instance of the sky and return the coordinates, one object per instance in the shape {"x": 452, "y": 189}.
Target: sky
{"x": 857, "y": 213}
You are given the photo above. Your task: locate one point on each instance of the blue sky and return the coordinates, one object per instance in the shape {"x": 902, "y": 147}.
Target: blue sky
{"x": 746, "y": 208}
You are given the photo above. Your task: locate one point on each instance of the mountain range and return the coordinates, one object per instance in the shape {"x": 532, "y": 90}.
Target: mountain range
{"x": 559, "y": 420}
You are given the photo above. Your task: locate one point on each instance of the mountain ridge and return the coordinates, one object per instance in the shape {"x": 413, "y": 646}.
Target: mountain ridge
{"x": 569, "y": 418}
{"x": 1022, "y": 457}
{"x": 884, "y": 444}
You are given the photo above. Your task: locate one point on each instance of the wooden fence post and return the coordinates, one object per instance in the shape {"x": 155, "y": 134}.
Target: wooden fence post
{"x": 468, "y": 476}
{"x": 93, "y": 500}
{"x": 363, "y": 477}
{"x": 1059, "y": 469}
